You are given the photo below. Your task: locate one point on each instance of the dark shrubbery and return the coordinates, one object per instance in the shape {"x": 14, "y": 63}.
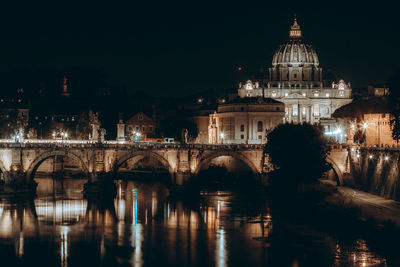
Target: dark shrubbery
{"x": 298, "y": 152}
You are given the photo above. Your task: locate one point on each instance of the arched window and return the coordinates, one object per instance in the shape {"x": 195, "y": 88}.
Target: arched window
{"x": 259, "y": 126}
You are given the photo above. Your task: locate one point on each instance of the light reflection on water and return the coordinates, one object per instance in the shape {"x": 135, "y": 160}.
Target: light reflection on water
{"x": 144, "y": 227}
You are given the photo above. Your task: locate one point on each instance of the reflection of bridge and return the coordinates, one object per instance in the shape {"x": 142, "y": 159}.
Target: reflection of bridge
{"x": 20, "y": 161}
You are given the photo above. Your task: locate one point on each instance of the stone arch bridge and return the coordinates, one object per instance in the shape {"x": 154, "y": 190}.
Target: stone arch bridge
{"x": 19, "y": 161}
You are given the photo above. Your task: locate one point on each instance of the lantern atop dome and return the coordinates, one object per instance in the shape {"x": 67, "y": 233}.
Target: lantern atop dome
{"x": 295, "y": 31}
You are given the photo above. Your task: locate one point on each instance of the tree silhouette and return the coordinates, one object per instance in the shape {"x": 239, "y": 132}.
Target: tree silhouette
{"x": 298, "y": 152}
{"x": 394, "y": 101}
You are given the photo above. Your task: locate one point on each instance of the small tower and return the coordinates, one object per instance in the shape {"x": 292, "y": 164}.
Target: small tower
{"x": 295, "y": 32}
{"x": 65, "y": 92}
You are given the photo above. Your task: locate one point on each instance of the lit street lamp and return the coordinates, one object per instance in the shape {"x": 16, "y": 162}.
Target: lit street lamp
{"x": 18, "y": 137}
{"x": 64, "y": 135}
{"x": 136, "y": 135}
{"x": 222, "y": 136}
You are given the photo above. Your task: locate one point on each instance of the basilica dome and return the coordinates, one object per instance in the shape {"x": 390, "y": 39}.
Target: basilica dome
{"x": 295, "y": 61}
{"x": 295, "y": 52}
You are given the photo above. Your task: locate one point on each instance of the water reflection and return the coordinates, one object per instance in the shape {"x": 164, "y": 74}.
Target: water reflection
{"x": 221, "y": 255}
{"x": 143, "y": 226}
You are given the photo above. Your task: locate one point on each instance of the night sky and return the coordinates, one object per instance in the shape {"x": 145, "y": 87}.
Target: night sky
{"x": 169, "y": 48}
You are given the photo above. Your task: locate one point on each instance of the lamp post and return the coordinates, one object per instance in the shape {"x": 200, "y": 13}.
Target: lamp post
{"x": 63, "y": 135}
{"x": 136, "y": 136}
{"x": 18, "y": 137}
{"x": 222, "y": 136}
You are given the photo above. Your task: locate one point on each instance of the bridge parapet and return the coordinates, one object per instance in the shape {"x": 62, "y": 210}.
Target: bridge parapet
{"x": 373, "y": 148}
{"x": 120, "y": 145}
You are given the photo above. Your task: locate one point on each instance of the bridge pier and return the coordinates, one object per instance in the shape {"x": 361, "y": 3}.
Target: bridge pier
{"x": 181, "y": 178}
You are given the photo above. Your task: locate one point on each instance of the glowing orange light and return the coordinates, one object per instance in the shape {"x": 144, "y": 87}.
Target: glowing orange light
{"x": 239, "y": 68}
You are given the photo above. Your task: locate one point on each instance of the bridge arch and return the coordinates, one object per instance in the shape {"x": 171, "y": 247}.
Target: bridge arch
{"x": 139, "y": 155}
{"x": 336, "y": 169}
{"x": 30, "y": 173}
{"x": 206, "y": 159}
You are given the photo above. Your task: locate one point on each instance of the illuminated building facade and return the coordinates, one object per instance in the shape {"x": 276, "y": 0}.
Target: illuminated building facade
{"x": 140, "y": 125}
{"x": 377, "y": 130}
{"x": 296, "y": 79}
{"x": 368, "y": 119}
{"x": 245, "y": 121}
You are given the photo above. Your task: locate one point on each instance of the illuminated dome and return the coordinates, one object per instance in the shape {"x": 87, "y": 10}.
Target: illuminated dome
{"x": 295, "y": 51}
{"x": 295, "y": 60}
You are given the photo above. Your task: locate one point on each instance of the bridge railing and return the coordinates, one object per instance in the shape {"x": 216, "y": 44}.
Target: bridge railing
{"x": 374, "y": 148}
{"x": 51, "y": 143}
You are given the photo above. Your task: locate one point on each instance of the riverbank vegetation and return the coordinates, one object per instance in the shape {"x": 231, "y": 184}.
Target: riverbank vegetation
{"x": 298, "y": 153}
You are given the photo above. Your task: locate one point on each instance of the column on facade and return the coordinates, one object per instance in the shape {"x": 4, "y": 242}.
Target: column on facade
{"x": 298, "y": 112}
{"x": 310, "y": 120}
{"x": 290, "y": 113}
{"x": 248, "y": 128}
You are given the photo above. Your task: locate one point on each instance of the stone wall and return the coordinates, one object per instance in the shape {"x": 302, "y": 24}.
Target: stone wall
{"x": 377, "y": 171}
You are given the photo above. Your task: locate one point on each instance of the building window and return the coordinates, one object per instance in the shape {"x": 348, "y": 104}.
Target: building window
{"x": 241, "y": 108}
{"x": 242, "y": 128}
{"x": 259, "y": 137}
{"x": 140, "y": 117}
{"x": 327, "y": 94}
{"x": 277, "y": 109}
{"x": 295, "y": 75}
{"x": 259, "y": 126}
{"x": 242, "y": 136}
{"x": 137, "y": 128}
{"x": 304, "y": 94}
{"x": 304, "y": 110}
{"x": 144, "y": 128}
{"x": 151, "y": 129}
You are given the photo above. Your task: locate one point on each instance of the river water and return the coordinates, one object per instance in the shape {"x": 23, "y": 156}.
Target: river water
{"x": 144, "y": 226}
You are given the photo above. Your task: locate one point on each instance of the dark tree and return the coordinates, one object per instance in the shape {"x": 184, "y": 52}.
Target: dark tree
{"x": 359, "y": 136}
{"x": 395, "y": 125}
{"x": 83, "y": 127}
{"x": 172, "y": 127}
{"x": 394, "y": 101}
{"x": 11, "y": 123}
{"x": 298, "y": 152}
